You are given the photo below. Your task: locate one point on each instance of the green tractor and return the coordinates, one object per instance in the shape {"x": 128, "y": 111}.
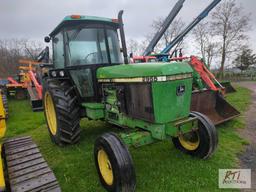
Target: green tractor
{"x": 91, "y": 78}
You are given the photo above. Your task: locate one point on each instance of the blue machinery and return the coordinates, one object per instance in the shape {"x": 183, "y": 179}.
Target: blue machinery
{"x": 174, "y": 12}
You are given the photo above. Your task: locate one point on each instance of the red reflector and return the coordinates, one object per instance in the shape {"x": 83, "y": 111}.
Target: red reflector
{"x": 75, "y": 16}
{"x": 115, "y": 20}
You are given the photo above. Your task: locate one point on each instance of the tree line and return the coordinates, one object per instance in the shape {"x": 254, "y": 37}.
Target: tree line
{"x": 222, "y": 40}
{"x": 11, "y": 50}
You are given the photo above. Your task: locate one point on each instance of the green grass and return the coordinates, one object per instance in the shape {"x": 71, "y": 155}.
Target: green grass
{"x": 159, "y": 167}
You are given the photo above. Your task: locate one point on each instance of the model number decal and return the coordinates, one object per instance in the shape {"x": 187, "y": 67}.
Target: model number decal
{"x": 149, "y": 79}
{"x": 153, "y": 79}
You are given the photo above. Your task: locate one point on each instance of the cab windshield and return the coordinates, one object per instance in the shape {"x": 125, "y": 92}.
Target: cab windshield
{"x": 86, "y": 46}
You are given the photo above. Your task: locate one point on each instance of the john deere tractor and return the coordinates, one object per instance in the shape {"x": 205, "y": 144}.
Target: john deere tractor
{"x": 90, "y": 77}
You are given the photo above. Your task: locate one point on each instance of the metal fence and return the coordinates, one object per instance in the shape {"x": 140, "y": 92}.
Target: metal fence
{"x": 243, "y": 76}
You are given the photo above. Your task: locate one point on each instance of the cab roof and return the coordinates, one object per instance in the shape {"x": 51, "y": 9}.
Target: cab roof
{"x": 82, "y": 19}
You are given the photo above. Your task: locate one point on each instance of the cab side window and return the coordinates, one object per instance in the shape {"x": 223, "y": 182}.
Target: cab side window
{"x": 58, "y": 51}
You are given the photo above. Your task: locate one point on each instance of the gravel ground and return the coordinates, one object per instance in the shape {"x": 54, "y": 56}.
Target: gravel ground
{"x": 248, "y": 158}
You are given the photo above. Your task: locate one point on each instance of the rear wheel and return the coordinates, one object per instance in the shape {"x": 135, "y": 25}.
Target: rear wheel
{"x": 114, "y": 164}
{"x": 62, "y": 112}
{"x": 201, "y": 143}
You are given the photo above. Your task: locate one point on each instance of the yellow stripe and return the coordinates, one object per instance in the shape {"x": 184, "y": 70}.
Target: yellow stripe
{"x": 2, "y": 181}
{"x": 146, "y": 79}
{"x": 2, "y": 133}
{"x": 2, "y": 118}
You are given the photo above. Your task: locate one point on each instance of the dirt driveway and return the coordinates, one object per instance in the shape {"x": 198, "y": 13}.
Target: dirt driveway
{"x": 248, "y": 158}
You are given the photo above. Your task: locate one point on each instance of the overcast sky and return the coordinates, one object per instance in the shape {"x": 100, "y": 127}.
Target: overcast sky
{"x": 33, "y": 19}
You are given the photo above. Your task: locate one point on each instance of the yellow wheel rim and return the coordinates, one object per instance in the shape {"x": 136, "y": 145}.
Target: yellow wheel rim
{"x": 50, "y": 113}
{"x": 190, "y": 141}
{"x": 105, "y": 167}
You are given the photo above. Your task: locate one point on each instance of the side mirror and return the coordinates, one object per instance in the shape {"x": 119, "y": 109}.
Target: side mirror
{"x": 47, "y": 39}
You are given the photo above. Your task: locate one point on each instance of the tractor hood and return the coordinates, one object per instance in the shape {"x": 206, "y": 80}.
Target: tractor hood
{"x": 144, "y": 70}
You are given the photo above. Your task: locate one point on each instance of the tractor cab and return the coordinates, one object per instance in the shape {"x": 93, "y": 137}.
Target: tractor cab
{"x": 82, "y": 44}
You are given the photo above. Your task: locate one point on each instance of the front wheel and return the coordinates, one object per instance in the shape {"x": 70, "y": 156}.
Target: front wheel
{"x": 114, "y": 164}
{"x": 200, "y": 143}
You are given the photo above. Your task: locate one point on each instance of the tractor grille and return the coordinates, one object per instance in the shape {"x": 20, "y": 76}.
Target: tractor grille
{"x": 139, "y": 103}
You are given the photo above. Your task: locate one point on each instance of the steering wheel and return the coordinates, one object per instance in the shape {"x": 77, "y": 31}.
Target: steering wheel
{"x": 88, "y": 55}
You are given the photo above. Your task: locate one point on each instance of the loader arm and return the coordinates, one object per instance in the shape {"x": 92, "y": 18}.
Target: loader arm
{"x": 35, "y": 91}
{"x": 167, "y": 22}
{"x": 204, "y": 73}
{"x": 199, "y": 18}
{"x": 12, "y": 81}
{"x": 38, "y": 87}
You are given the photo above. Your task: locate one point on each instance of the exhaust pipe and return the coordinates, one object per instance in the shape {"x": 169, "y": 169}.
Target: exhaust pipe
{"x": 122, "y": 35}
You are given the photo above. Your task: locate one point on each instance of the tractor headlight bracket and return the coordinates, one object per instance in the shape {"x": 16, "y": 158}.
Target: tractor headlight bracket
{"x": 58, "y": 74}
{"x": 61, "y": 73}
{"x": 53, "y": 74}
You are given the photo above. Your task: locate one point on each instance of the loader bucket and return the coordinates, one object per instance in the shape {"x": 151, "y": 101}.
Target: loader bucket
{"x": 228, "y": 87}
{"x": 213, "y": 105}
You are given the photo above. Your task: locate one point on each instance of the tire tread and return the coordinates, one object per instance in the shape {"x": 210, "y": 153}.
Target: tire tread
{"x": 68, "y": 111}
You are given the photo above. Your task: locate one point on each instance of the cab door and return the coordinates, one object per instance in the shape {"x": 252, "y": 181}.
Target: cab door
{"x": 88, "y": 48}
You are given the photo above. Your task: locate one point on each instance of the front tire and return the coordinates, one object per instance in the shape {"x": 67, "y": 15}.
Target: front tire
{"x": 114, "y": 164}
{"x": 62, "y": 112}
{"x": 201, "y": 143}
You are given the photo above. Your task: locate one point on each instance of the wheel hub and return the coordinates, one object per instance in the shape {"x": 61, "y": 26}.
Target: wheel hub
{"x": 190, "y": 141}
{"x": 105, "y": 167}
{"x": 50, "y": 113}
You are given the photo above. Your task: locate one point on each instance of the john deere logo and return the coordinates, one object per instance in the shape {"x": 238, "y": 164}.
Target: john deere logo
{"x": 180, "y": 90}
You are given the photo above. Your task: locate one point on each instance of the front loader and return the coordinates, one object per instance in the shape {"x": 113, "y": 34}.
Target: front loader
{"x": 208, "y": 93}
{"x": 22, "y": 166}
{"x": 150, "y": 101}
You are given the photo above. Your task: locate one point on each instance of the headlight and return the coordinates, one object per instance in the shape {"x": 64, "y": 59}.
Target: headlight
{"x": 62, "y": 73}
{"x": 54, "y": 74}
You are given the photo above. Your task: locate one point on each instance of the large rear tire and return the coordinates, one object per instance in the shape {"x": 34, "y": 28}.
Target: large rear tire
{"x": 201, "y": 143}
{"x": 114, "y": 164}
{"x": 62, "y": 112}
